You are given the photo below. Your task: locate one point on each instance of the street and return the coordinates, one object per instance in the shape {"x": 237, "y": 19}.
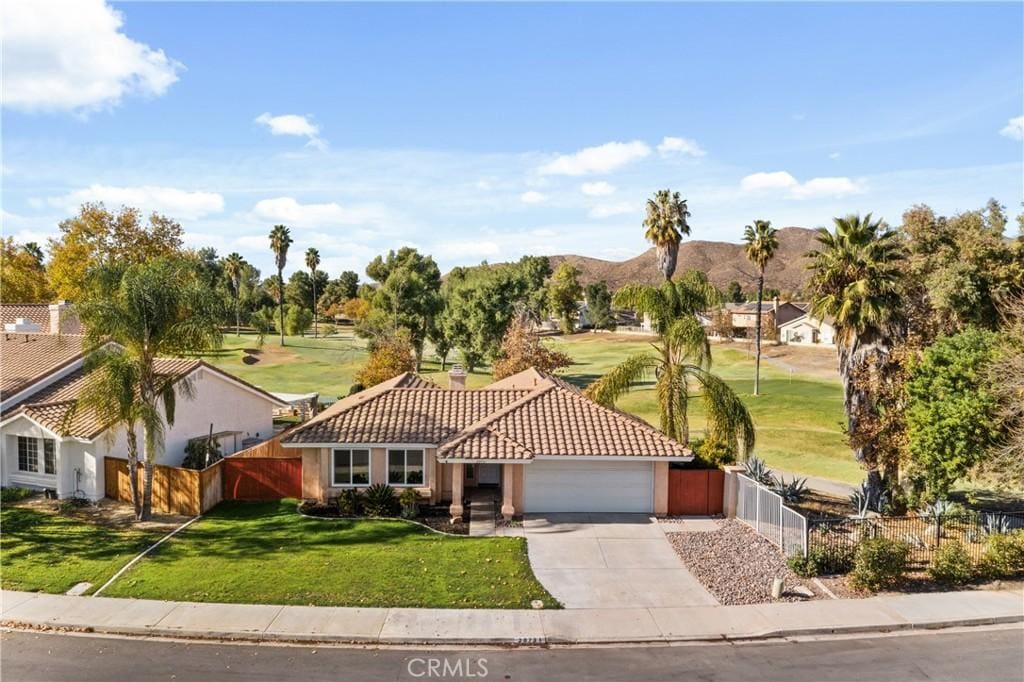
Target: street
{"x": 975, "y": 656}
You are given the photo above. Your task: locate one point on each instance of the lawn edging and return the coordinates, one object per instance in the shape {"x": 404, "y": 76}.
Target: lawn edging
{"x": 124, "y": 569}
{"x": 298, "y": 509}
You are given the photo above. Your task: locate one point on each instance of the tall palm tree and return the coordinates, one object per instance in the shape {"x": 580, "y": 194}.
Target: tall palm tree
{"x": 761, "y": 244}
{"x": 856, "y": 281}
{"x": 233, "y": 266}
{"x": 313, "y": 262}
{"x": 666, "y": 224}
{"x": 280, "y": 240}
{"x": 681, "y": 362}
{"x": 151, "y": 311}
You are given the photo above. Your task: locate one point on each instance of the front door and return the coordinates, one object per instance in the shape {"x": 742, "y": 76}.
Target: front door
{"x": 488, "y": 474}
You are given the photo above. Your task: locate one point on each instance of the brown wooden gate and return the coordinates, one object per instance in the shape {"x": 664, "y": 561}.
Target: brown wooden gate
{"x": 695, "y": 492}
{"x": 262, "y": 478}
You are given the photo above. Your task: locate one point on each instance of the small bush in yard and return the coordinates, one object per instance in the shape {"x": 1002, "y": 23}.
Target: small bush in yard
{"x": 951, "y": 565}
{"x": 14, "y": 494}
{"x": 409, "y": 499}
{"x": 803, "y": 566}
{"x": 350, "y": 502}
{"x": 1004, "y": 555}
{"x": 879, "y": 563}
{"x": 379, "y": 500}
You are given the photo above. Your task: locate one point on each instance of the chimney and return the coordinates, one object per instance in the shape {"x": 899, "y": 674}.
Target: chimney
{"x": 58, "y": 311}
{"x": 775, "y": 305}
{"x": 457, "y": 378}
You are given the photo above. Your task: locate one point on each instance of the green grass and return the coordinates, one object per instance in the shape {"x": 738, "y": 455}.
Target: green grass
{"x": 43, "y": 552}
{"x": 798, "y": 418}
{"x": 265, "y": 552}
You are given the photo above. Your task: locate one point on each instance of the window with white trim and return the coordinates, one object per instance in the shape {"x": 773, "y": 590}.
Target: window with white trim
{"x": 351, "y": 467}
{"x": 49, "y": 456}
{"x": 405, "y": 467}
{"x": 28, "y": 454}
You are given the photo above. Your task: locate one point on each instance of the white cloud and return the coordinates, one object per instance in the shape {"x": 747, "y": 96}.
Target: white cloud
{"x": 293, "y": 124}
{"x": 834, "y": 155}
{"x": 532, "y": 197}
{"x": 72, "y": 56}
{"x": 680, "y": 145}
{"x": 1014, "y": 129}
{"x": 601, "y": 159}
{"x": 543, "y": 232}
{"x": 465, "y": 249}
{"x": 294, "y": 214}
{"x": 794, "y": 189}
{"x": 597, "y": 189}
{"x": 176, "y": 203}
{"x": 609, "y": 210}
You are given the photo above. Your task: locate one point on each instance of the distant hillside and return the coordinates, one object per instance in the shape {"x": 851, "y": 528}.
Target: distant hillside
{"x": 723, "y": 262}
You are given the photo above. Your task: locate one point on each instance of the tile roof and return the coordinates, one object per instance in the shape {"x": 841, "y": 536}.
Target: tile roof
{"x": 39, "y": 313}
{"x": 518, "y": 418}
{"x": 52, "y": 406}
{"x": 28, "y": 358}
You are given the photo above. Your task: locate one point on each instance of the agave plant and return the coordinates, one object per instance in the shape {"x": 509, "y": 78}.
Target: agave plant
{"x": 756, "y": 469}
{"x": 863, "y": 501}
{"x": 995, "y": 524}
{"x": 793, "y": 491}
{"x": 934, "y": 511}
{"x": 379, "y": 500}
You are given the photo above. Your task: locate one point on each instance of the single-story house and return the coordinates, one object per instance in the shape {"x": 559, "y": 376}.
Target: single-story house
{"x": 45, "y": 444}
{"x": 809, "y": 331}
{"x": 537, "y": 439}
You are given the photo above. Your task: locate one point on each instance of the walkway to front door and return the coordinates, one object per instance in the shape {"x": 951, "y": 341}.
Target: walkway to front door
{"x": 609, "y": 561}
{"x": 482, "y": 510}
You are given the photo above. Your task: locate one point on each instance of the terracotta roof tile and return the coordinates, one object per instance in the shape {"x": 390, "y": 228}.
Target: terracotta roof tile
{"x": 39, "y": 313}
{"x": 27, "y": 358}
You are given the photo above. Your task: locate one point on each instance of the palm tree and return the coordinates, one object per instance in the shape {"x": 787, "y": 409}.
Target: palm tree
{"x": 681, "y": 360}
{"x": 151, "y": 311}
{"x": 666, "y": 224}
{"x": 761, "y": 244}
{"x": 280, "y": 240}
{"x": 233, "y": 266}
{"x": 313, "y": 262}
{"x": 856, "y": 280}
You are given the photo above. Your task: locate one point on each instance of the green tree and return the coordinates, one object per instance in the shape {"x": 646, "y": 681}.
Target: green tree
{"x": 734, "y": 293}
{"x": 952, "y": 411}
{"x": 313, "y": 262}
{"x": 297, "y": 320}
{"x": 534, "y": 271}
{"x": 564, "y": 293}
{"x": 154, "y": 310}
{"x": 280, "y": 240}
{"x": 1005, "y": 377}
{"x": 233, "y": 268}
{"x": 599, "y": 305}
{"x": 409, "y": 293}
{"x": 684, "y": 297}
{"x": 22, "y": 277}
{"x": 97, "y": 237}
{"x": 761, "y": 243}
{"x": 855, "y": 280}
{"x": 666, "y": 224}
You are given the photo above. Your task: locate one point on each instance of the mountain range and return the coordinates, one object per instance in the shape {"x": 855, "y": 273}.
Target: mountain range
{"x": 723, "y": 262}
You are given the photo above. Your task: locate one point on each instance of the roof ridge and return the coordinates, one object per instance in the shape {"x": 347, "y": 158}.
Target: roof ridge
{"x": 483, "y": 422}
{"x": 624, "y": 417}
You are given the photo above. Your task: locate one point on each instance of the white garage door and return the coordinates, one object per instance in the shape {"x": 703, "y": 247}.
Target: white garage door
{"x": 588, "y": 486}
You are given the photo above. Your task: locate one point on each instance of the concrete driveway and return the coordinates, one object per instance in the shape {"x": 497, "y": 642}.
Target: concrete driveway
{"x": 609, "y": 561}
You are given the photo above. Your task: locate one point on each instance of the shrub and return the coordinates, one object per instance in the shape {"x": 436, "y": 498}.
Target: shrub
{"x": 379, "y": 500}
{"x": 951, "y": 565}
{"x": 13, "y": 494}
{"x": 803, "y": 566}
{"x": 714, "y": 452}
{"x": 200, "y": 453}
{"x": 1003, "y": 556}
{"x": 328, "y": 330}
{"x": 350, "y": 502}
{"x": 879, "y": 563}
{"x": 409, "y": 499}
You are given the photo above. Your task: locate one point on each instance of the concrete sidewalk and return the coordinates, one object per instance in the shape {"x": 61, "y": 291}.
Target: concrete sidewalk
{"x": 515, "y": 627}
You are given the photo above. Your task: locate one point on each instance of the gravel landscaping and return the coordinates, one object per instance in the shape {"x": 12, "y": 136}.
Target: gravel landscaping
{"x": 737, "y": 565}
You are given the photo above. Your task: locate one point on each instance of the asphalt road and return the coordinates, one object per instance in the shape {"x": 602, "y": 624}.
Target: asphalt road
{"x": 966, "y": 656}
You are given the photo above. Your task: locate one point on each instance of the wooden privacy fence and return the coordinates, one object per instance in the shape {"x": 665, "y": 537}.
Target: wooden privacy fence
{"x": 269, "y": 448}
{"x": 695, "y": 492}
{"x": 176, "y": 490}
{"x": 265, "y": 478}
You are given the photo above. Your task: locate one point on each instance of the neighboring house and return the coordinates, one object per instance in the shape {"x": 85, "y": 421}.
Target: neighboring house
{"x": 809, "y": 331}
{"x": 44, "y": 445}
{"x": 545, "y": 445}
{"x": 40, "y": 318}
{"x": 742, "y": 317}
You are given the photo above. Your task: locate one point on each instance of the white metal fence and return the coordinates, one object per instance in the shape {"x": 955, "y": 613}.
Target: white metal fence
{"x": 765, "y": 512}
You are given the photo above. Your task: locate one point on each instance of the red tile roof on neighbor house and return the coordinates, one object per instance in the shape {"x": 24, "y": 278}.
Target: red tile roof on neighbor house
{"x": 524, "y": 416}
{"x": 39, "y": 314}
{"x": 28, "y": 358}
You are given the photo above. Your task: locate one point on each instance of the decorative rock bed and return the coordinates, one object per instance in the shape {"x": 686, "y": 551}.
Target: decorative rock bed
{"x": 737, "y": 565}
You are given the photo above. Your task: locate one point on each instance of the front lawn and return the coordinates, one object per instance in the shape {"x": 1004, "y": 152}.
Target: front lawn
{"x": 46, "y": 552}
{"x": 265, "y": 552}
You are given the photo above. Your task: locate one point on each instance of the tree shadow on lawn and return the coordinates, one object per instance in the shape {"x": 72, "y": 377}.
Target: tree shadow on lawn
{"x": 35, "y": 535}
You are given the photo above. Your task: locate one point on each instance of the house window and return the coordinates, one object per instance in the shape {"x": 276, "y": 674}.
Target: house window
{"x": 28, "y": 454}
{"x": 49, "y": 456}
{"x": 351, "y": 467}
{"x": 405, "y": 467}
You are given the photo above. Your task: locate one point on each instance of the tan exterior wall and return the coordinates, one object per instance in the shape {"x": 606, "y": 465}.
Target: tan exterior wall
{"x": 518, "y": 473}
{"x": 660, "y": 488}
{"x": 314, "y": 474}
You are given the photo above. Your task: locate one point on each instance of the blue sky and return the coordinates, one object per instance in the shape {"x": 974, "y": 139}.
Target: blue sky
{"x": 489, "y": 131}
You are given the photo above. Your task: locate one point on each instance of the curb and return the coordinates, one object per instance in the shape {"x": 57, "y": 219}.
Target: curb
{"x": 270, "y": 637}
